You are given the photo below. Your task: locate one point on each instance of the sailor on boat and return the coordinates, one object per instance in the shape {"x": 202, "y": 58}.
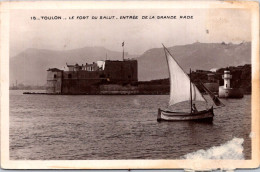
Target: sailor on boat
{"x": 194, "y": 109}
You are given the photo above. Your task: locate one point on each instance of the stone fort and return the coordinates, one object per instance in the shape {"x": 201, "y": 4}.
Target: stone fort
{"x": 101, "y": 77}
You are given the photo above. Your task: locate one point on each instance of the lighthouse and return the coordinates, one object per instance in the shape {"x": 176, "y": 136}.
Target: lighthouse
{"x": 226, "y": 91}
{"x": 226, "y": 78}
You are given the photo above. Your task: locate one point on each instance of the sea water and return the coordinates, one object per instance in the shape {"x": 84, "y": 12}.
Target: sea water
{"x": 89, "y": 127}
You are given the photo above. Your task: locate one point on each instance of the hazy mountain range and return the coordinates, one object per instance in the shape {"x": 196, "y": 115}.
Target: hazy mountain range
{"x": 29, "y": 67}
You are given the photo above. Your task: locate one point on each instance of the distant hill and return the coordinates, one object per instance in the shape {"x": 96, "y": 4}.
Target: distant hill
{"x": 29, "y": 67}
{"x": 205, "y": 56}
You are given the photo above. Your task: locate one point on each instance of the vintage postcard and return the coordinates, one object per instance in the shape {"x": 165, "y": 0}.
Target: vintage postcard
{"x": 130, "y": 85}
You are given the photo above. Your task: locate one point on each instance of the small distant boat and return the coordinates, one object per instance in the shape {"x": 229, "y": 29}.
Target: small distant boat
{"x": 182, "y": 89}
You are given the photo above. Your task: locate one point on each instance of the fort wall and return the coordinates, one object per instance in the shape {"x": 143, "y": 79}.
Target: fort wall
{"x": 118, "y": 89}
{"x": 121, "y": 71}
{"x": 78, "y": 80}
{"x": 154, "y": 88}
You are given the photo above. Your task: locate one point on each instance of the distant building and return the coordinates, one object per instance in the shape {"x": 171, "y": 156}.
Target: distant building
{"x": 212, "y": 84}
{"x": 91, "y": 78}
{"x": 202, "y": 71}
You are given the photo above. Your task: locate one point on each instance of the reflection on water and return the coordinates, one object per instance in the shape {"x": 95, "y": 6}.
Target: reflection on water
{"x": 50, "y": 127}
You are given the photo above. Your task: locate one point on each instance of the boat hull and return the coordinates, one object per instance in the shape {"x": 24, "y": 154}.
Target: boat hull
{"x": 203, "y": 116}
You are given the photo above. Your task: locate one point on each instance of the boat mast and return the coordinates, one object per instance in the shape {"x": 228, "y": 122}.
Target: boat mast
{"x": 190, "y": 94}
{"x": 123, "y": 45}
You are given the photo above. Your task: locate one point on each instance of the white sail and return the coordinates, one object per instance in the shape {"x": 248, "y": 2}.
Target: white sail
{"x": 180, "y": 83}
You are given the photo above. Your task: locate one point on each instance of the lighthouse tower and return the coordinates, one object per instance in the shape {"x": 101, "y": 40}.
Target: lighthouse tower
{"x": 226, "y": 78}
{"x": 226, "y": 91}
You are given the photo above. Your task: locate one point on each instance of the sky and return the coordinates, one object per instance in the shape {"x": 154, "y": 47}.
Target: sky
{"x": 139, "y": 35}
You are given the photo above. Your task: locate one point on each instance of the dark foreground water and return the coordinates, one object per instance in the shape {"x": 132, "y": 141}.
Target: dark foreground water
{"x": 51, "y": 127}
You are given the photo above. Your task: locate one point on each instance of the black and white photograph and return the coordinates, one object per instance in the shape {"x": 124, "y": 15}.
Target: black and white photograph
{"x": 149, "y": 84}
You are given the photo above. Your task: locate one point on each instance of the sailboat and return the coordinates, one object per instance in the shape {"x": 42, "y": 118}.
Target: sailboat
{"x": 182, "y": 89}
